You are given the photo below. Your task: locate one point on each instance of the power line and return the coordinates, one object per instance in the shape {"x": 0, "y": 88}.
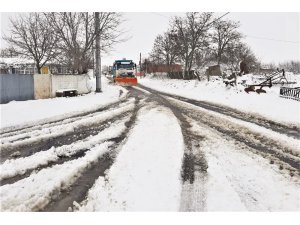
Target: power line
{"x": 219, "y": 18}
{"x": 271, "y": 39}
{"x": 158, "y": 14}
{"x": 250, "y": 36}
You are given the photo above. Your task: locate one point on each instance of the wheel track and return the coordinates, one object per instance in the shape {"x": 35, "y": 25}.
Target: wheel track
{"x": 11, "y": 131}
{"x": 45, "y": 144}
{"x": 26, "y": 149}
{"x": 61, "y": 160}
{"x": 194, "y": 165}
{"x": 291, "y": 131}
{"x": 259, "y": 144}
{"x": 77, "y": 191}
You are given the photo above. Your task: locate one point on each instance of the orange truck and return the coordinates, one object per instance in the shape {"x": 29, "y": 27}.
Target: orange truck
{"x": 124, "y": 72}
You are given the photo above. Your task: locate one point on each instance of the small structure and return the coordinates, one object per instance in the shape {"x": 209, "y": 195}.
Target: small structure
{"x": 213, "y": 71}
{"x": 163, "y": 68}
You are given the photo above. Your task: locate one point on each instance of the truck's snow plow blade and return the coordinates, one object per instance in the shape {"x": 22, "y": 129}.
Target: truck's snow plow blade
{"x": 126, "y": 81}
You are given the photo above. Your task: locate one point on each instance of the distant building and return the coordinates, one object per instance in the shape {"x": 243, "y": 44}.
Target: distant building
{"x": 162, "y": 68}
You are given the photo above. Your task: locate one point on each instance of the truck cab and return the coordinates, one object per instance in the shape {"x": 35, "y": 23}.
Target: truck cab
{"x": 124, "y": 72}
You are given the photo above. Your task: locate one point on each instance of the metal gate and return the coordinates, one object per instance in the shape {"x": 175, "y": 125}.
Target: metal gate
{"x": 292, "y": 93}
{"x": 18, "y": 87}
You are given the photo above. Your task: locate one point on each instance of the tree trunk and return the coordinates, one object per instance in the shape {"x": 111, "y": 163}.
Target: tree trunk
{"x": 38, "y": 66}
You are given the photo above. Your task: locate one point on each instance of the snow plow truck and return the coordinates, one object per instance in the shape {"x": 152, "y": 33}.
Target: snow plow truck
{"x": 124, "y": 72}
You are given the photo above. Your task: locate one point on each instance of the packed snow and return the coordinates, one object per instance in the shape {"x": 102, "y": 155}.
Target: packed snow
{"x": 146, "y": 174}
{"x": 239, "y": 180}
{"x": 269, "y": 105}
{"x": 282, "y": 139}
{"x": 18, "y": 113}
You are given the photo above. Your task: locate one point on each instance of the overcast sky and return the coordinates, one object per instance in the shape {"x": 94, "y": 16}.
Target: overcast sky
{"x": 274, "y": 37}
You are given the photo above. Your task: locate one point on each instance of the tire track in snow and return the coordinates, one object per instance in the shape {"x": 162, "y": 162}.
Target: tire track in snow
{"x": 40, "y": 129}
{"x": 14, "y": 170}
{"x": 28, "y": 172}
{"x": 77, "y": 192}
{"x": 38, "y": 190}
{"x": 292, "y": 131}
{"x": 273, "y": 150}
{"x": 65, "y": 134}
{"x": 263, "y": 145}
{"x": 255, "y": 185}
{"x": 194, "y": 165}
{"x": 269, "y": 148}
{"x": 45, "y": 123}
{"x": 66, "y": 183}
{"x": 282, "y": 154}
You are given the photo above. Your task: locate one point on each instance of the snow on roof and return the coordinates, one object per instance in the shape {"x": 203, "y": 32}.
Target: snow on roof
{"x": 16, "y": 60}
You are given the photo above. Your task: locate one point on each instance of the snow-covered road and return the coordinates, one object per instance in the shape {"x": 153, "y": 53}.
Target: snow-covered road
{"x": 150, "y": 151}
{"x": 146, "y": 174}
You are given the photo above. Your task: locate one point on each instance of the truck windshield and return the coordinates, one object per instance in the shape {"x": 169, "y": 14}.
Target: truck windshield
{"x": 124, "y": 66}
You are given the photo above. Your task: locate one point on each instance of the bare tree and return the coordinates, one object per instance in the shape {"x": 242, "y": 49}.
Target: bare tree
{"x": 8, "y": 52}
{"x": 32, "y": 37}
{"x": 225, "y": 33}
{"x": 76, "y": 32}
{"x": 191, "y": 34}
{"x": 164, "y": 51}
{"x": 290, "y": 66}
{"x": 237, "y": 52}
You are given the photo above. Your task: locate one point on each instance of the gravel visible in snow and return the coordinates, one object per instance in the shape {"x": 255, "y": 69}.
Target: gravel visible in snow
{"x": 146, "y": 174}
{"x": 36, "y": 191}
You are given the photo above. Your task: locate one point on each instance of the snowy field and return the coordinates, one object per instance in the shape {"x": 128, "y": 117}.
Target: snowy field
{"x": 269, "y": 105}
{"x": 17, "y": 113}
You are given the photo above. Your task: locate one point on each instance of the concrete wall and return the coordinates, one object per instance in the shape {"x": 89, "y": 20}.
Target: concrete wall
{"x": 42, "y": 86}
{"x": 46, "y": 85}
{"x": 16, "y": 87}
{"x": 21, "y": 87}
{"x": 78, "y": 82}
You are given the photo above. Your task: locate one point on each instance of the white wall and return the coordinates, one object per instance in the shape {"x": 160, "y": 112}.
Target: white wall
{"x": 46, "y": 85}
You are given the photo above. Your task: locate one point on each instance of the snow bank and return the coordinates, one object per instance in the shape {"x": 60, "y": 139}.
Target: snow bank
{"x": 269, "y": 105}
{"x": 21, "y": 112}
{"x": 146, "y": 174}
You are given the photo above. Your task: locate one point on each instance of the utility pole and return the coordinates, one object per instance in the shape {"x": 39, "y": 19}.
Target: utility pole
{"x": 140, "y": 64}
{"x": 98, "y": 56}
